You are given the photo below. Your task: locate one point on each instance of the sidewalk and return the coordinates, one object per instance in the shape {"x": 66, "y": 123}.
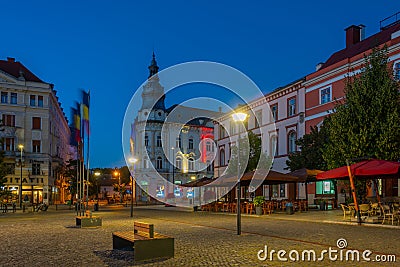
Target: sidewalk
{"x": 316, "y": 216}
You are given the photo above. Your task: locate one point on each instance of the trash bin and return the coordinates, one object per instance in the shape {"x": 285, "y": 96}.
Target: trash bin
{"x": 96, "y": 207}
{"x": 289, "y": 209}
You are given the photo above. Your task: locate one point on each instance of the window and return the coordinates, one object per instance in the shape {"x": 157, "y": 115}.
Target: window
{"x": 178, "y": 142}
{"x": 292, "y": 142}
{"x": 35, "y": 168}
{"x": 209, "y": 166}
{"x": 324, "y": 188}
{"x": 8, "y": 120}
{"x": 274, "y": 146}
{"x": 282, "y": 190}
{"x": 208, "y": 146}
{"x": 232, "y": 128}
{"x": 191, "y": 164}
{"x": 190, "y": 143}
{"x": 4, "y": 97}
{"x": 291, "y": 107}
{"x": 8, "y": 144}
{"x": 32, "y": 101}
{"x": 397, "y": 71}
{"x": 325, "y": 95}
{"x": 221, "y": 132}
{"x": 159, "y": 163}
{"x": 222, "y": 157}
{"x": 36, "y": 146}
{"x": 275, "y": 190}
{"x": 159, "y": 143}
{"x": 146, "y": 140}
{"x": 36, "y": 123}
{"x": 40, "y": 101}
{"x": 10, "y": 168}
{"x": 178, "y": 163}
{"x": 14, "y": 98}
{"x": 258, "y": 119}
{"x": 274, "y": 111}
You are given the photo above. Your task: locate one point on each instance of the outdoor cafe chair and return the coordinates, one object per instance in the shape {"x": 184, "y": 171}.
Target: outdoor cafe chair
{"x": 364, "y": 209}
{"x": 346, "y": 211}
{"x": 374, "y": 209}
{"x": 387, "y": 213}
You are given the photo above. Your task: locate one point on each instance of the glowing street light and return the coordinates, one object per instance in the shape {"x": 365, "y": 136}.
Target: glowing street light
{"x": 238, "y": 118}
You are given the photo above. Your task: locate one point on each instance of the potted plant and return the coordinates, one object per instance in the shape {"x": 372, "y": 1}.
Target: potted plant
{"x": 258, "y": 202}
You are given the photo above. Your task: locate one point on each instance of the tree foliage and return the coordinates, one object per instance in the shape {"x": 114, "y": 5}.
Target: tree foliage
{"x": 311, "y": 149}
{"x": 251, "y": 156}
{"x": 367, "y": 121}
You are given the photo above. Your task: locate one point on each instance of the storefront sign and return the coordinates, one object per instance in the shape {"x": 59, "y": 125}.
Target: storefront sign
{"x": 17, "y": 180}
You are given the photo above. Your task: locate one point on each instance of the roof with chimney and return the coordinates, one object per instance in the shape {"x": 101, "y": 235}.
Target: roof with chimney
{"x": 17, "y": 69}
{"x": 364, "y": 45}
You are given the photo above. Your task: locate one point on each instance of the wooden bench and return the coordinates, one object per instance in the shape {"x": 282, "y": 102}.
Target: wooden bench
{"x": 88, "y": 220}
{"x": 145, "y": 242}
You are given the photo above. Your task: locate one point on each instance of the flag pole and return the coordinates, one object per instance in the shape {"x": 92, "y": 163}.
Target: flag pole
{"x": 87, "y": 155}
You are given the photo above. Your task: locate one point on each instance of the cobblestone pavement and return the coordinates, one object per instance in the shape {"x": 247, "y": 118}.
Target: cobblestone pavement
{"x": 201, "y": 238}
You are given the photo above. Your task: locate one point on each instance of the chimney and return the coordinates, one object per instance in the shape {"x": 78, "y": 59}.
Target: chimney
{"x": 362, "y": 35}
{"x": 353, "y": 35}
{"x": 319, "y": 66}
{"x": 11, "y": 59}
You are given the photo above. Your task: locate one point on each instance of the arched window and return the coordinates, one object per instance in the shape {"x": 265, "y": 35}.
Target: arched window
{"x": 159, "y": 163}
{"x": 191, "y": 164}
{"x": 222, "y": 157}
{"x": 292, "y": 142}
{"x": 274, "y": 146}
{"x": 178, "y": 163}
{"x": 190, "y": 143}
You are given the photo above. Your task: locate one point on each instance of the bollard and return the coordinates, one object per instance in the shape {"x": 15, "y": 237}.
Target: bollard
{"x": 23, "y": 208}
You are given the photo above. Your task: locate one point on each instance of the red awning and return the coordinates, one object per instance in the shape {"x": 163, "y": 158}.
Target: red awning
{"x": 367, "y": 168}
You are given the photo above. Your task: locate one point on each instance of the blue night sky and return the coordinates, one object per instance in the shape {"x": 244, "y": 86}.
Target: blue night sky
{"x": 106, "y": 46}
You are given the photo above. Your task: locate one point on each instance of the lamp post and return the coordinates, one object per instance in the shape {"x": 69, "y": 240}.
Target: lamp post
{"x": 96, "y": 206}
{"x": 238, "y": 118}
{"x": 118, "y": 173}
{"x": 133, "y": 161}
{"x": 21, "y": 147}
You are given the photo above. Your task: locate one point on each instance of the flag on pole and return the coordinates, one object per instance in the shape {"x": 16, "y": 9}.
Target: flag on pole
{"x": 85, "y": 110}
{"x": 75, "y": 127}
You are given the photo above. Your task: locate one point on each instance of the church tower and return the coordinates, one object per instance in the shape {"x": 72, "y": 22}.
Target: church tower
{"x": 153, "y": 93}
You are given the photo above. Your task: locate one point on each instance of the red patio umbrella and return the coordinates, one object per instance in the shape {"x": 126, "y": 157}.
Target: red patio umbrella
{"x": 364, "y": 169}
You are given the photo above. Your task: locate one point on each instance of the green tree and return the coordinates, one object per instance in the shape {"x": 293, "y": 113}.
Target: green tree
{"x": 310, "y": 150}
{"x": 367, "y": 121}
{"x": 250, "y": 153}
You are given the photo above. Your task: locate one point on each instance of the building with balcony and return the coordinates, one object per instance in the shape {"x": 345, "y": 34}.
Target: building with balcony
{"x": 35, "y": 134}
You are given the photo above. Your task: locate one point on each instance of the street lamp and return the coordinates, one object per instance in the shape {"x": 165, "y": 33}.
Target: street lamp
{"x": 118, "y": 173}
{"x": 238, "y": 118}
{"x": 133, "y": 161}
{"x": 21, "y": 147}
{"x": 97, "y": 174}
